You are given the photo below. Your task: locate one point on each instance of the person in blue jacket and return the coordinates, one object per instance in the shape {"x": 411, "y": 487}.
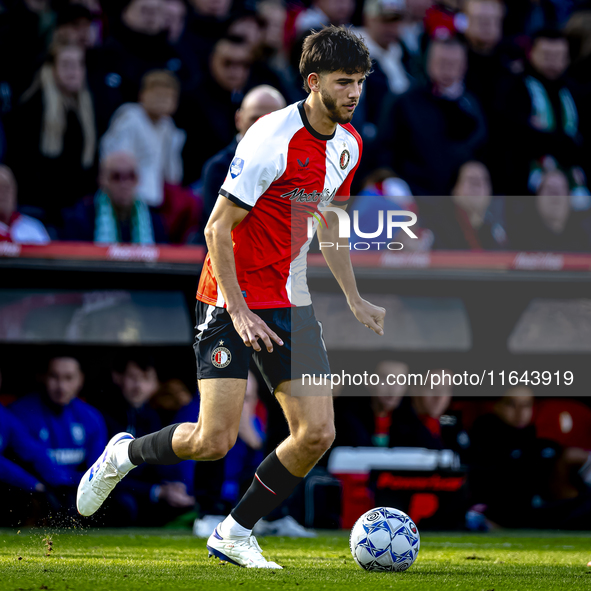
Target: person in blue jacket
{"x": 25, "y": 467}
{"x": 73, "y": 431}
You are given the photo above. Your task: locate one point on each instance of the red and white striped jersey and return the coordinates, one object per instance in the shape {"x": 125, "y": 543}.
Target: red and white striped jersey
{"x": 282, "y": 171}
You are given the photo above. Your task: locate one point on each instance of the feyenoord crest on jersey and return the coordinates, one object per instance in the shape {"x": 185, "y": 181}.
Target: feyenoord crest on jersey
{"x": 345, "y": 158}
{"x": 221, "y": 356}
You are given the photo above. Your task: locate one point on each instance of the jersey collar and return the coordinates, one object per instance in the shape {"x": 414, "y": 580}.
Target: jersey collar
{"x": 307, "y": 125}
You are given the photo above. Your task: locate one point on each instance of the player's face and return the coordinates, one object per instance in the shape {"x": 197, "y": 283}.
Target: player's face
{"x": 340, "y": 92}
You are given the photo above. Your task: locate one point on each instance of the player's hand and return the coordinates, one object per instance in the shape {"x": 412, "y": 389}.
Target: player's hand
{"x": 370, "y": 315}
{"x": 251, "y": 328}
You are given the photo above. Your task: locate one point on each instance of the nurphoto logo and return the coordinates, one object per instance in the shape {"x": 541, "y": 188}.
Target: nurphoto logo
{"x": 394, "y": 221}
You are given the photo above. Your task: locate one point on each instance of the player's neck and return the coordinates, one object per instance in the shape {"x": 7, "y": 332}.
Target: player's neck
{"x": 318, "y": 115}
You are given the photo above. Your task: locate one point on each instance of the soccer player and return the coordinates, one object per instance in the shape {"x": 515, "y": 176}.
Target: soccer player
{"x": 253, "y": 298}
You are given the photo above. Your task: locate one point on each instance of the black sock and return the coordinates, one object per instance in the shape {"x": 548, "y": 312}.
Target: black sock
{"x": 155, "y": 448}
{"x": 272, "y": 484}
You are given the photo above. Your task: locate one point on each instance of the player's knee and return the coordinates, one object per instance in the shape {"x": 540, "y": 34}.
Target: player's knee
{"x": 318, "y": 439}
{"x": 211, "y": 446}
{"x": 215, "y": 447}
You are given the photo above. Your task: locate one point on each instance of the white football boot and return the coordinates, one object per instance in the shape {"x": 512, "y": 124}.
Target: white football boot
{"x": 241, "y": 551}
{"x": 100, "y": 479}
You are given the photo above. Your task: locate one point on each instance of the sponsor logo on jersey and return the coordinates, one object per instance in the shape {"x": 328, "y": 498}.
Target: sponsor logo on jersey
{"x": 236, "y": 167}
{"x": 303, "y": 164}
{"x": 345, "y": 159}
{"x": 300, "y": 196}
{"x": 221, "y": 356}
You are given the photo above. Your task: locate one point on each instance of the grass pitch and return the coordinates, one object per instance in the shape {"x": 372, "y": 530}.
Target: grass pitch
{"x": 146, "y": 559}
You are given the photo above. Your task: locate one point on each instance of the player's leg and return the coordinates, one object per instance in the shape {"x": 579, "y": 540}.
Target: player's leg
{"x": 222, "y": 370}
{"x": 310, "y": 417}
{"x": 209, "y": 439}
{"x": 311, "y": 423}
{"x": 307, "y": 408}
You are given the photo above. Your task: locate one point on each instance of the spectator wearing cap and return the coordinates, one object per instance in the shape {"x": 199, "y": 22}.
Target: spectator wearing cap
{"x": 257, "y": 103}
{"x": 52, "y": 132}
{"x": 114, "y": 214}
{"x": 472, "y": 219}
{"x": 540, "y": 114}
{"x": 381, "y": 22}
{"x": 14, "y": 226}
{"x": 146, "y": 130}
{"x": 427, "y": 133}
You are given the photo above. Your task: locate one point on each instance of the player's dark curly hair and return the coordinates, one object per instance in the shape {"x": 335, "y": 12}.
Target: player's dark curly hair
{"x": 332, "y": 49}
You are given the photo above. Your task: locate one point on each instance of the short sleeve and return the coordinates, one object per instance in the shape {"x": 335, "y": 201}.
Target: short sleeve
{"x": 343, "y": 196}
{"x": 252, "y": 170}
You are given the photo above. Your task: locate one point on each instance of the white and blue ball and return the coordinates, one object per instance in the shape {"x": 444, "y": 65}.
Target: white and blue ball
{"x": 385, "y": 539}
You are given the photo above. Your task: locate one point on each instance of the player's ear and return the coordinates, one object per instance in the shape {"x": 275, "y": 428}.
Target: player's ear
{"x": 314, "y": 82}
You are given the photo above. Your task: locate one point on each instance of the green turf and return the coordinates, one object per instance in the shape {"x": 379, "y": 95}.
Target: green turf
{"x": 142, "y": 560}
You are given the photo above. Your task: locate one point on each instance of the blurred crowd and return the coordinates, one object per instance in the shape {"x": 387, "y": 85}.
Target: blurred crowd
{"x": 118, "y": 118}
{"x": 528, "y": 460}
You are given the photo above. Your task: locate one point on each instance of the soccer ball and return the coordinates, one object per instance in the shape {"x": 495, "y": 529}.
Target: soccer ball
{"x": 384, "y": 539}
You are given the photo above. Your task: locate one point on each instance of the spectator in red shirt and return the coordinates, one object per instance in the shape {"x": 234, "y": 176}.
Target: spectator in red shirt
{"x": 14, "y": 226}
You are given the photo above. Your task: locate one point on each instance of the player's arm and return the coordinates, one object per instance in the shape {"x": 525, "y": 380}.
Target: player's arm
{"x": 218, "y": 235}
{"x": 339, "y": 262}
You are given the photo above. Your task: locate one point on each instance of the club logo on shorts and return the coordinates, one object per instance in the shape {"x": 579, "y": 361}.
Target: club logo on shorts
{"x": 237, "y": 166}
{"x": 221, "y": 356}
{"x": 345, "y": 158}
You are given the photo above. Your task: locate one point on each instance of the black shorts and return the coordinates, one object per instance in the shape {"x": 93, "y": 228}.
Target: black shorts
{"x": 221, "y": 352}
